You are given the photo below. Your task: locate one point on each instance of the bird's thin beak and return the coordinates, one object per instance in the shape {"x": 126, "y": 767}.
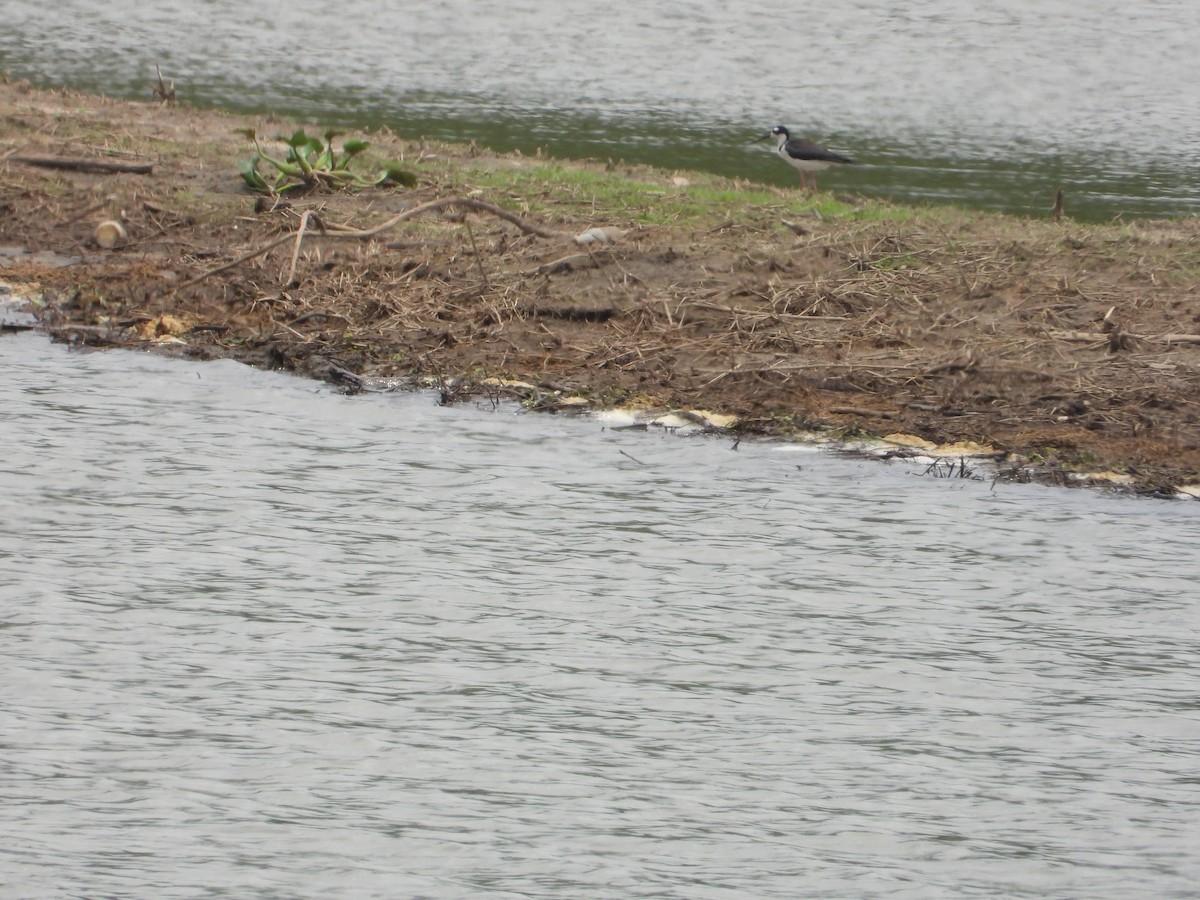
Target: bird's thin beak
{"x": 761, "y": 137}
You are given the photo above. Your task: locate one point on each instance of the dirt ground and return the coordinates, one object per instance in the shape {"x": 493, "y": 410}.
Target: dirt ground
{"x": 1065, "y": 347}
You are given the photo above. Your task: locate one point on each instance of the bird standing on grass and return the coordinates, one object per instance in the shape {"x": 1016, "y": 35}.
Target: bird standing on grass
{"x": 805, "y": 157}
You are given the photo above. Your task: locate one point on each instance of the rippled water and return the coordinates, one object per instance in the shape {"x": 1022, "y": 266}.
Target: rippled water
{"x": 259, "y": 639}
{"x": 993, "y": 105}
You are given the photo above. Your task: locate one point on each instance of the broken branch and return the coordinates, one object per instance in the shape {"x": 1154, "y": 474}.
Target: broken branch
{"x": 80, "y": 164}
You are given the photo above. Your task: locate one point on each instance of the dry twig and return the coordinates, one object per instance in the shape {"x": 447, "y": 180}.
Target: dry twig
{"x": 341, "y": 232}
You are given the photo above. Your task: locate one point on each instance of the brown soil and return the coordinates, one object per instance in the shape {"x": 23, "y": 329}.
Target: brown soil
{"x": 1068, "y": 347}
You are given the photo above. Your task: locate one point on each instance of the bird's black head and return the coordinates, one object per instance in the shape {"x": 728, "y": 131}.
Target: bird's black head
{"x": 779, "y": 130}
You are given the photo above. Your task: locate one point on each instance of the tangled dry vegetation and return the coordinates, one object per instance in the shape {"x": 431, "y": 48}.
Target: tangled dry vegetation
{"x": 1063, "y": 345}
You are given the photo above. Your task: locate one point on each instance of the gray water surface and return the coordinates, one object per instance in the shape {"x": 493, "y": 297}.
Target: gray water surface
{"x": 259, "y": 639}
{"x": 993, "y": 105}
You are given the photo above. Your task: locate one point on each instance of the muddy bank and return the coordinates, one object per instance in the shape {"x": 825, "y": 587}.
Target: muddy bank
{"x": 1059, "y": 346}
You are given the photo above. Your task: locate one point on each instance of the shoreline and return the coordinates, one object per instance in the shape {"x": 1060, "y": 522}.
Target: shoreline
{"x": 1065, "y": 353}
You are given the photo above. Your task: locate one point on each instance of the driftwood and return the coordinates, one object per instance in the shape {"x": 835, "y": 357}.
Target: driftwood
{"x": 82, "y": 164}
{"x": 341, "y": 232}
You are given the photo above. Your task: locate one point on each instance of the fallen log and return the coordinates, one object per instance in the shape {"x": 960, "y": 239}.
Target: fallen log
{"x": 1101, "y": 337}
{"x": 82, "y": 164}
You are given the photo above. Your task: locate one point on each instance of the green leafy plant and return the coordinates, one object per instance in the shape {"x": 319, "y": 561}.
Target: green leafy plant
{"x": 313, "y": 163}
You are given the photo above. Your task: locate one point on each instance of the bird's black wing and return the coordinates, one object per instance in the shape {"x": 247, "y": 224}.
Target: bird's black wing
{"x": 798, "y": 149}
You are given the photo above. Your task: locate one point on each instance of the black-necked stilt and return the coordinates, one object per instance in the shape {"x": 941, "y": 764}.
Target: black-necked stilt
{"x": 805, "y": 157}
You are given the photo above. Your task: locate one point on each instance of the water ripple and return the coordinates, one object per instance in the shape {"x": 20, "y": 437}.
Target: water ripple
{"x": 261, "y": 639}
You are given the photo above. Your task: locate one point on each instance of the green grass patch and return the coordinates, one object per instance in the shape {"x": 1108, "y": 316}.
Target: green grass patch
{"x": 647, "y": 197}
